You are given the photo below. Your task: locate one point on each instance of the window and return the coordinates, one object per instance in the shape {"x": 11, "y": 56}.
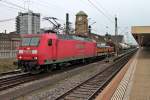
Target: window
{"x": 49, "y": 42}
{"x": 26, "y": 41}
{"x": 34, "y": 41}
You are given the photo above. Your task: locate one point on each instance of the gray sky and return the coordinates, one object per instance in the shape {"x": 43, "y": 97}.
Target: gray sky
{"x": 129, "y": 12}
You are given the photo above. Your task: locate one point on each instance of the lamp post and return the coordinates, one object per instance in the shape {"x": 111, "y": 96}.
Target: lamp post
{"x": 116, "y": 34}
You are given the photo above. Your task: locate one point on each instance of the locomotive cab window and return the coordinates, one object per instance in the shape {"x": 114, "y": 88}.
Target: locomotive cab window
{"x": 30, "y": 41}
{"x": 49, "y": 42}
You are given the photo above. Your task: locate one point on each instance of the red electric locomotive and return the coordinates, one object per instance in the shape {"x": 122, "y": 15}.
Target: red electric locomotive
{"x": 43, "y": 51}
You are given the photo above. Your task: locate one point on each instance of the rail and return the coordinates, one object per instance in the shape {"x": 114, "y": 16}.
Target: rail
{"x": 91, "y": 87}
{"x": 10, "y": 72}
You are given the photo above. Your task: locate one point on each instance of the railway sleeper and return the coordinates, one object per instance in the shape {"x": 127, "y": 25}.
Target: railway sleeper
{"x": 96, "y": 82}
{"x": 82, "y": 93}
{"x": 72, "y": 97}
{"x": 88, "y": 88}
{"x": 76, "y": 97}
{"x": 90, "y": 85}
{"x": 85, "y": 90}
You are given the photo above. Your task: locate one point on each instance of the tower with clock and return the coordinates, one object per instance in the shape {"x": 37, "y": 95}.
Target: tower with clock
{"x": 81, "y": 25}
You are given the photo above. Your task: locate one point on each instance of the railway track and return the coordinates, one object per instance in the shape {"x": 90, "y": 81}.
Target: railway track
{"x": 12, "y": 79}
{"x": 90, "y": 88}
{"x": 9, "y": 80}
{"x": 10, "y": 72}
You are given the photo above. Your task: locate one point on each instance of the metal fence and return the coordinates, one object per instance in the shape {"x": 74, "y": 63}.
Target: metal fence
{"x": 8, "y": 53}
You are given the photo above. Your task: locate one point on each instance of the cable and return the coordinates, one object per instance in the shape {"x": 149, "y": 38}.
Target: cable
{"x": 14, "y": 5}
{"x": 100, "y": 5}
{"x": 100, "y": 11}
{"x": 6, "y": 20}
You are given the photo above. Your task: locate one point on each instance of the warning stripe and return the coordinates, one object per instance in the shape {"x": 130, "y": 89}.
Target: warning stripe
{"x": 123, "y": 90}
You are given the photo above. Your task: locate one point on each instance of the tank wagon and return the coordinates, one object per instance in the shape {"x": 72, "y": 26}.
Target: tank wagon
{"x": 46, "y": 51}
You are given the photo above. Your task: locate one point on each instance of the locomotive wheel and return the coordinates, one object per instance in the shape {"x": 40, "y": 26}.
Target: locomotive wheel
{"x": 48, "y": 69}
{"x": 35, "y": 70}
{"x": 23, "y": 69}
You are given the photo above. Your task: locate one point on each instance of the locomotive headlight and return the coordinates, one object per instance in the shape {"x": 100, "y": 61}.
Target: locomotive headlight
{"x": 20, "y": 57}
{"x": 21, "y": 51}
{"x": 34, "y": 51}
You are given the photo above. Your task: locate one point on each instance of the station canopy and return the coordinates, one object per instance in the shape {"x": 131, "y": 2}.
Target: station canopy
{"x": 141, "y": 34}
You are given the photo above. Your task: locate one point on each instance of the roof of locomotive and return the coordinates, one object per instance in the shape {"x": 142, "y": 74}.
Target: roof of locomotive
{"x": 72, "y": 37}
{"x": 59, "y": 36}
{"x": 39, "y": 35}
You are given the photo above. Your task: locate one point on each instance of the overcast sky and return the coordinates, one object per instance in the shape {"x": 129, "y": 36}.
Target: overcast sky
{"x": 129, "y": 12}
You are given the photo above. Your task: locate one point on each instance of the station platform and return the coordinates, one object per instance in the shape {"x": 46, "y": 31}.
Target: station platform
{"x": 133, "y": 81}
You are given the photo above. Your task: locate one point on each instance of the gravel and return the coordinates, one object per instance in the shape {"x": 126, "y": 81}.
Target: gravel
{"x": 7, "y": 65}
{"x": 72, "y": 80}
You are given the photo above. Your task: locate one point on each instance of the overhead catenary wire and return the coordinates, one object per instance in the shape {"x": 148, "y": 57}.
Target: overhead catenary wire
{"x": 12, "y": 4}
{"x": 6, "y": 20}
{"x": 109, "y": 18}
{"x": 100, "y": 5}
{"x": 100, "y": 11}
{"x": 47, "y": 3}
{"x": 9, "y": 6}
{"x": 105, "y": 10}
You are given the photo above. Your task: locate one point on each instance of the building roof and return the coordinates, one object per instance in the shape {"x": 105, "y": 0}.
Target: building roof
{"x": 119, "y": 38}
{"x": 140, "y": 29}
{"x": 4, "y": 36}
{"x": 81, "y": 13}
{"x": 29, "y": 13}
{"x": 97, "y": 38}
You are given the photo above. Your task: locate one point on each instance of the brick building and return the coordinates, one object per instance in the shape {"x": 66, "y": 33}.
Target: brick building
{"x": 9, "y": 44}
{"x": 9, "y": 41}
{"x": 81, "y": 24}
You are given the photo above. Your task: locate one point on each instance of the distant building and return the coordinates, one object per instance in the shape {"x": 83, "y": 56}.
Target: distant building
{"x": 28, "y": 23}
{"x": 97, "y": 38}
{"x": 112, "y": 39}
{"x": 9, "y": 44}
{"x": 9, "y": 41}
{"x": 81, "y": 24}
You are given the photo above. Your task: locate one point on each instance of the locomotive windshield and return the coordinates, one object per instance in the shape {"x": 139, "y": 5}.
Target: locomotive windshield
{"x": 34, "y": 41}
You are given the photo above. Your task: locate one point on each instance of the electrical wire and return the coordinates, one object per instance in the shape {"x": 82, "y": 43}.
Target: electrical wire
{"x": 12, "y": 4}
{"x": 100, "y": 5}
{"x": 6, "y": 20}
{"x": 9, "y": 6}
{"x": 100, "y": 11}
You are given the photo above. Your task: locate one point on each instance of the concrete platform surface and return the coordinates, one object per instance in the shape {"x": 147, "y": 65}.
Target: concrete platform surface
{"x": 140, "y": 89}
{"x": 136, "y": 83}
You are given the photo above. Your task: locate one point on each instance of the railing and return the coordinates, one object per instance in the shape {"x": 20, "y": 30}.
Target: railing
{"x": 8, "y": 53}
